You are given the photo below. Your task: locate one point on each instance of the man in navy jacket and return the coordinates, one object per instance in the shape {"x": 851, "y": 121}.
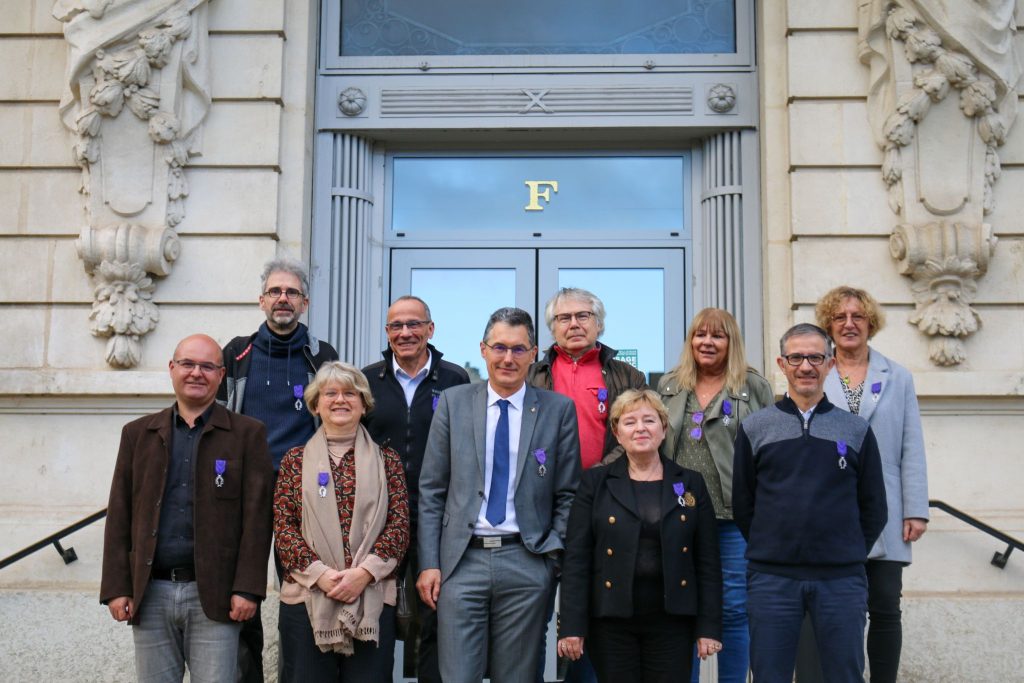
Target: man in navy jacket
{"x": 808, "y": 495}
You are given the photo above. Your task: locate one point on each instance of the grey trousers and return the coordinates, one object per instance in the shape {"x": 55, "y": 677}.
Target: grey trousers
{"x": 492, "y": 609}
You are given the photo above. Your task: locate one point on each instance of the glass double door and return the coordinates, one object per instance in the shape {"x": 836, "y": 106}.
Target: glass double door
{"x": 644, "y": 292}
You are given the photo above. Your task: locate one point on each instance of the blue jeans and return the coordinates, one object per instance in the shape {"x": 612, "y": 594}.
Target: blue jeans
{"x": 734, "y": 659}
{"x": 838, "y": 609}
{"x": 173, "y": 631}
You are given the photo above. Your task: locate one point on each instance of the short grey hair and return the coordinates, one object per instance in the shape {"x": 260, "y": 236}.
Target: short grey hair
{"x": 804, "y": 330}
{"x": 340, "y": 372}
{"x": 412, "y": 297}
{"x": 285, "y": 265}
{"x": 513, "y": 317}
{"x": 575, "y": 294}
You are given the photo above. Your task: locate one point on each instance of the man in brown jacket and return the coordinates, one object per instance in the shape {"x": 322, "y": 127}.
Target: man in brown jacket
{"x": 188, "y": 526}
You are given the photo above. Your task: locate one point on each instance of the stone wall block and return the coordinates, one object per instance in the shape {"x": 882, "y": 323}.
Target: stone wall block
{"x": 33, "y": 136}
{"x": 40, "y": 202}
{"x": 21, "y": 284}
{"x": 71, "y": 345}
{"x": 247, "y": 66}
{"x": 30, "y": 17}
{"x": 31, "y": 325}
{"x": 1008, "y": 215}
{"x": 823, "y": 263}
{"x": 247, "y": 15}
{"x": 801, "y": 14}
{"x": 848, "y": 201}
{"x": 218, "y": 270}
{"x": 230, "y": 200}
{"x": 33, "y": 67}
{"x": 832, "y": 134}
{"x": 241, "y": 134}
{"x": 824, "y": 65}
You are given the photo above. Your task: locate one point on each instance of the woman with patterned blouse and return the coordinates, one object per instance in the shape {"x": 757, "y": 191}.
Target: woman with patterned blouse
{"x": 707, "y": 395}
{"x": 341, "y": 526}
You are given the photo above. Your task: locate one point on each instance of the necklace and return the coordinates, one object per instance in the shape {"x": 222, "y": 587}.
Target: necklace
{"x": 651, "y": 475}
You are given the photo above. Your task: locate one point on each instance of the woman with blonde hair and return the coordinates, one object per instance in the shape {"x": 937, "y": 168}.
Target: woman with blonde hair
{"x": 641, "y": 579}
{"x": 866, "y": 383}
{"x": 707, "y": 395}
{"x": 341, "y": 527}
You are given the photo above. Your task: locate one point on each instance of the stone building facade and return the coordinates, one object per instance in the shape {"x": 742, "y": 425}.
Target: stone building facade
{"x": 210, "y": 136}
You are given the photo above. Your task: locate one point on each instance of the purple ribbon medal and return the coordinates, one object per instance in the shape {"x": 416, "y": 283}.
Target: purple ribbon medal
{"x": 876, "y": 391}
{"x": 219, "y": 467}
{"x": 841, "y": 447}
{"x": 542, "y": 458}
{"x": 602, "y": 396}
{"x": 698, "y": 420}
{"x": 434, "y": 400}
{"x": 726, "y": 412}
{"x": 679, "y": 490}
{"x": 322, "y": 479}
{"x": 297, "y": 393}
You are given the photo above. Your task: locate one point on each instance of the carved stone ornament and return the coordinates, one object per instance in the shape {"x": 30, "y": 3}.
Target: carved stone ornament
{"x": 136, "y": 91}
{"x": 942, "y": 96}
{"x": 352, "y": 101}
{"x": 721, "y": 98}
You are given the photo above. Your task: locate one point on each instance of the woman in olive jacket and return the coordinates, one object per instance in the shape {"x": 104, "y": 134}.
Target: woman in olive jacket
{"x": 707, "y": 395}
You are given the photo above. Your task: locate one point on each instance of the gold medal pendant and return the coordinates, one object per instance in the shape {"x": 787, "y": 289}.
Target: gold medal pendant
{"x": 689, "y": 500}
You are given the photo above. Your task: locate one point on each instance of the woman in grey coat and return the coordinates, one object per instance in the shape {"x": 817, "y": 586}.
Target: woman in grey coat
{"x": 881, "y": 391}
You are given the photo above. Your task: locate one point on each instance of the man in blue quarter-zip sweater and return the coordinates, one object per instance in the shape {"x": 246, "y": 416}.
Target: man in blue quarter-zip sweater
{"x": 808, "y": 496}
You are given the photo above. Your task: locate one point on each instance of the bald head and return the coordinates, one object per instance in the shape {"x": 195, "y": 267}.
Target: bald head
{"x": 197, "y": 369}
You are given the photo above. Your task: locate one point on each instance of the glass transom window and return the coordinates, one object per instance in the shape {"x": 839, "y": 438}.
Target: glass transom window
{"x": 472, "y": 27}
{"x": 533, "y": 194}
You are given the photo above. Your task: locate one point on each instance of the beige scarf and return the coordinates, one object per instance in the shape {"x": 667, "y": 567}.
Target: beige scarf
{"x": 336, "y": 624}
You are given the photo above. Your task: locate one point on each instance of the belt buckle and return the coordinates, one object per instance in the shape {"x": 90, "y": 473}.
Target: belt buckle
{"x": 492, "y": 541}
{"x": 174, "y": 575}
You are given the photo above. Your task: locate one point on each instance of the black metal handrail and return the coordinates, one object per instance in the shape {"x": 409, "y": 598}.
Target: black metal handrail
{"x": 998, "y": 559}
{"x": 67, "y": 554}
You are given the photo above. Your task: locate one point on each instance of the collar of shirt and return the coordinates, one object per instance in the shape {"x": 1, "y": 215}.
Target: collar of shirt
{"x": 409, "y": 383}
{"x": 179, "y": 421}
{"x": 515, "y": 399}
{"x": 592, "y": 355}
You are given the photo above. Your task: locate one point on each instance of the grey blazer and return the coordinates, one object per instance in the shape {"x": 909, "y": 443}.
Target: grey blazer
{"x": 452, "y": 480}
{"x": 896, "y": 421}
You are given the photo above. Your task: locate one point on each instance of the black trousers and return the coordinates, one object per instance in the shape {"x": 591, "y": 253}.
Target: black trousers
{"x": 885, "y": 629}
{"x": 303, "y": 662}
{"x": 648, "y": 648}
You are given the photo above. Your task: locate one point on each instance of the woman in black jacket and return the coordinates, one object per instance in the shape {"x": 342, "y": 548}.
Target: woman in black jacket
{"x": 642, "y": 577}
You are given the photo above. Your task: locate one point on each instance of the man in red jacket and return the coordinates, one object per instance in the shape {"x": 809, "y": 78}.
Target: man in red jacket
{"x": 188, "y": 526}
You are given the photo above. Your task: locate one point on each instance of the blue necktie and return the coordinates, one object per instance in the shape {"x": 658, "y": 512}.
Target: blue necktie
{"x": 499, "y": 469}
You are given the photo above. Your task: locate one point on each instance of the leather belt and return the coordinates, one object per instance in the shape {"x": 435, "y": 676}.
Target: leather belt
{"x": 177, "y": 574}
{"x": 492, "y": 542}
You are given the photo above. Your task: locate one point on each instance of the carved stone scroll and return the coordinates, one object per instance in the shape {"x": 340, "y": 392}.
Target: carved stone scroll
{"x": 942, "y": 97}
{"x": 136, "y": 92}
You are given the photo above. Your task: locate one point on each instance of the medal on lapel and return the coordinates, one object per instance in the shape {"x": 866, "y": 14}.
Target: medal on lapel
{"x": 322, "y": 479}
{"x": 602, "y": 396}
{"x": 542, "y": 458}
{"x": 876, "y": 391}
{"x": 679, "y": 491}
{"x": 841, "y": 447}
{"x": 434, "y": 399}
{"x": 297, "y": 393}
{"x": 219, "y": 468}
{"x": 726, "y": 412}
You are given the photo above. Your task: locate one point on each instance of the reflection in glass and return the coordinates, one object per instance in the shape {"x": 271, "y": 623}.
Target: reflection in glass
{"x": 634, "y": 301}
{"x": 461, "y": 300}
{"x": 471, "y": 27}
{"x": 491, "y": 193}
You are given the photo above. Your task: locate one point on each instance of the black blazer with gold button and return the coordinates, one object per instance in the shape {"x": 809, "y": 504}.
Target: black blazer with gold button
{"x": 602, "y": 541}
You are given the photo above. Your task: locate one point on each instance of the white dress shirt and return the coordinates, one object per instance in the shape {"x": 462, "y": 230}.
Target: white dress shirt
{"x": 515, "y": 422}
{"x": 409, "y": 384}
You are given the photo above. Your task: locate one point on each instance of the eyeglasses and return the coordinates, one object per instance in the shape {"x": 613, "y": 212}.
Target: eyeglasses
{"x": 797, "y": 359}
{"x": 413, "y": 325}
{"x": 190, "y": 365}
{"x": 581, "y": 317}
{"x": 518, "y": 351}
{"x": 855, "y": 317}
{"x": 276, "y": 292}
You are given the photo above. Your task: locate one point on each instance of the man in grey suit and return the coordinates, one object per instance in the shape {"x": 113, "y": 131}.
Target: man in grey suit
{"x": 499, "y": 474}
